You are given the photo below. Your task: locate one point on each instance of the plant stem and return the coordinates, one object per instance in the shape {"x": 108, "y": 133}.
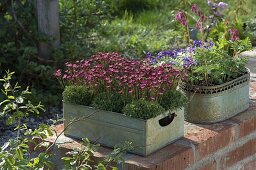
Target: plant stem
{"x": 208, "y": 29}
{"x": 69, "y": 124}
{"x": 187, "y": 30}
{"x": 18, "y": 133}
{"x": 206, "y": 74}
{"x": 75, "y": 13}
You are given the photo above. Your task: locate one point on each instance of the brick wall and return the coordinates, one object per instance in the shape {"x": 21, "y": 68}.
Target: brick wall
{"x": 227, "y": 145}
{"x": 230, "y": 144}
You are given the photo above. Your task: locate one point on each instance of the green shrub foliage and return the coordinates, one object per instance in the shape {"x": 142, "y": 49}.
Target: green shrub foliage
{"x": 17, "y": 152}
{"x": 15, "y": 104}
{"x": 77, "y": 95}
{"x": 137, "y": 6}
{"x": 143, "y": 109}
{"x": 109, "y": 101}
{"x": 172, "y": 100}
{"x": 18, "y": 50}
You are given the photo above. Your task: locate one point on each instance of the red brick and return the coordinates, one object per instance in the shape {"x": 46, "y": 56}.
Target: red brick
{"x": 246, "y": 121}
{"x": 209, "y": 166}
{"x": 210, "y": 138}
{"x": 248, "y": 127}
{"x": 250, "y": 165}
{"x": 239, "y": 153}
{"x": 253, "y": 90}
{"x": 207, "y": 139}
{"x": 179, "y": 161}
{"x": 173, "y": 156}
{"x": 134, "y": 167}
{"x": 59, "y": 128}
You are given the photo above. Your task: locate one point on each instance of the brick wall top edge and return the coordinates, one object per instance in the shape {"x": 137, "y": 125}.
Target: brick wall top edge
{"x": 201, "y": 140}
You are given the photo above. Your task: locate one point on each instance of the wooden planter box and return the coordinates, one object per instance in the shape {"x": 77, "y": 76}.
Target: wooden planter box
{"x": 111, "y": 129}
{"x": 217, "y": 103}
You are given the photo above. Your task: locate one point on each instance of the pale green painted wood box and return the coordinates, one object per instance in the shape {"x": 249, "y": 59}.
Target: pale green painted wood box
{"x": 111, "y": 129}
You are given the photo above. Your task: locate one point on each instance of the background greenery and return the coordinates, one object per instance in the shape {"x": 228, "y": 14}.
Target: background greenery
{"x": 88, "y": 26}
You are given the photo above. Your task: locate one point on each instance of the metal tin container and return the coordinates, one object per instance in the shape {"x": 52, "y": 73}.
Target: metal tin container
{"x": 210, "y": 104}
{"x": 111, "y": 129}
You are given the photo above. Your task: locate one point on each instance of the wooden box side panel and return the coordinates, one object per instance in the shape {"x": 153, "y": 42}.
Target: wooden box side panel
{"x": 159, "y": 136}
{"x": 107, "y": 128}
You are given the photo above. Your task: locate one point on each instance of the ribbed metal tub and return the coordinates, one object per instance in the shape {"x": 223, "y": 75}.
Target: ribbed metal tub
{"x": 111, "y": 129}
{"x": 211, "y": 104}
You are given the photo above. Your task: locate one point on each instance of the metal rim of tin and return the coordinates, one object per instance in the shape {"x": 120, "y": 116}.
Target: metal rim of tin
{"x": 215, "y": 89}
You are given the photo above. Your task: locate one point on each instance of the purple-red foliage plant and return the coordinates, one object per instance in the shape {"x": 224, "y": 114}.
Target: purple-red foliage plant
{"x": 204, "y": 21}
{"x": 111, "y": 72}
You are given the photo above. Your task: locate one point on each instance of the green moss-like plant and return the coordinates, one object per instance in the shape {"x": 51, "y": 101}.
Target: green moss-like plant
{"x": 143, "y": 109}
{"x": 136, "y": 6}
{"x": 78, "y": 95}
{"x": 109, "y": 101}
{"x": 172, "y": 99}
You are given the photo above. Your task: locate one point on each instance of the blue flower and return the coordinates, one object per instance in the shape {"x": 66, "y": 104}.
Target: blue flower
{"x": 191, "y": 49}
{"x": 152, "y": 61}
{"x": 160, "y": 55}
{"x": 187, "y": 61}
{"x": 148, "y": 55}
{"x": 211, "y": 44}
{"x": 222, "y": 5}
{"x": 172, "y": 63}
{"x": 211, "y": 4}
{"x": 198, "y": 43}
{"x": 168, "y": 53}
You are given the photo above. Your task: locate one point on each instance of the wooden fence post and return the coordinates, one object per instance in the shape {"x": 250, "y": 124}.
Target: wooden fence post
{"x": 48, "y": 24}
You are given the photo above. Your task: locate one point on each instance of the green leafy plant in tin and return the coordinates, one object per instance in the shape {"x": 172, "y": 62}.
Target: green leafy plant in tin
{"x": 215, "y": 53}
{"x": 217, "y": 84}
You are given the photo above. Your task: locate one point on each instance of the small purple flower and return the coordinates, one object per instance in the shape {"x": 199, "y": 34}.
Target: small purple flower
{"x": 211, "y": 4}
{"x": 199, "y": 25}
{"x": 222, "y": 5}
{"x": 172, "y": 63}
{"x": 191, "y": 49}
{"x": 234, "y": 34}
{"x": 184, "y": 23}
{"x": 174, "y": 54}
{"x": 194, "y": 8}
{"x": 198, "y": 43}
{"x": 203, "y": 18}
{"x": 168, "y": 53}
{"x": 181, "y": 17}
{"x": 211, "y": 44}
{"x": 187, "y": 61}
{"x": 58, "y": 73}
{"x": 149, "y": 55}
{"x": 182, "y": 50}
{"x": 152, "y": 61}
{"x": 160, "y": 55}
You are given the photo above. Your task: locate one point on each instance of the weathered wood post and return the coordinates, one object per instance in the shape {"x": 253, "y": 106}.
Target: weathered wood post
{"x": 48, "y": 24}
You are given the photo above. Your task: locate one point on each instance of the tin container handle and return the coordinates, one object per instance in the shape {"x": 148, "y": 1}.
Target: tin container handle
{"x": 167, "y": 120}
